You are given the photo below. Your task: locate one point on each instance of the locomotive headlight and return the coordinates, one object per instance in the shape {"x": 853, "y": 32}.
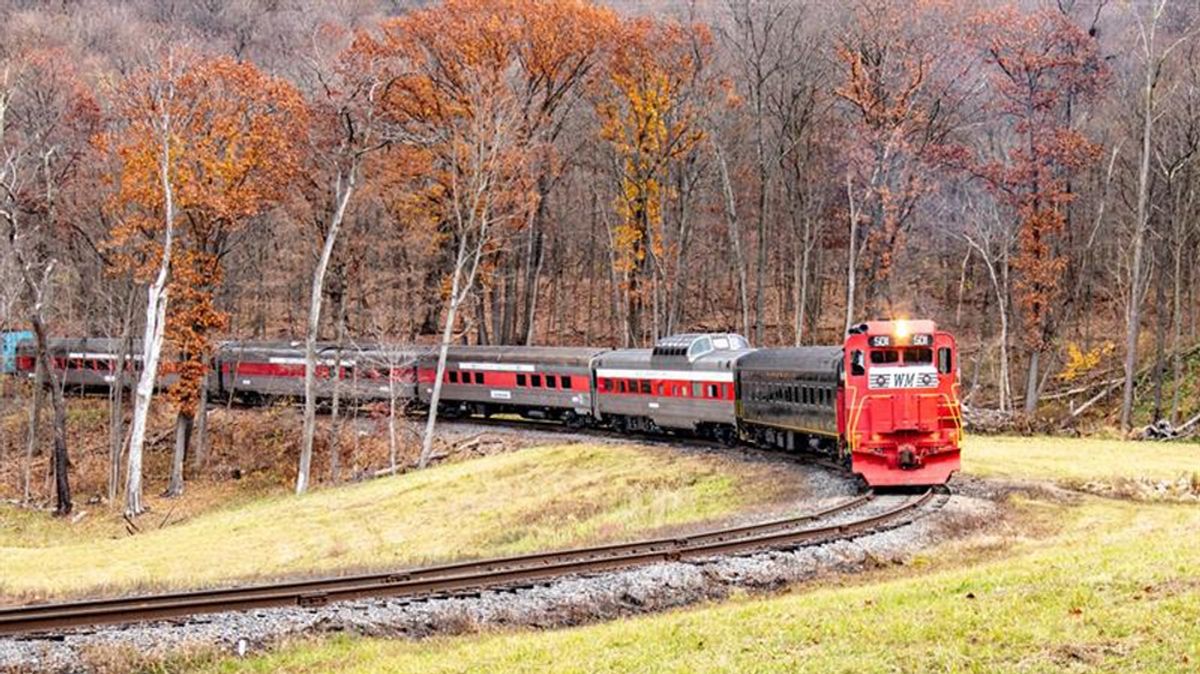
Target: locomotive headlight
{"x": 922, "y": 340}
{"x": 881, "y": 340}
{"x": 901, "y": 329}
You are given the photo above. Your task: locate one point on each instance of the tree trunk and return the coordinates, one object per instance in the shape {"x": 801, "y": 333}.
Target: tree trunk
{"x": 443, "y": 348}
{"x": 116, "y": 424}
{"x": 200, "y": 451}
{"x": 152, "y": 339}
{"x": 735, "y": 239}
{"x": 1133, "y": 316}
{"x": 62, "y": 482}
{"x": 312, "y": 329}
{"x": 183, "y": 436}
{"x": 459, "y": 287}
{"x": 851, "y": 249}
{"x": 335, "y": 468}
{"x": 1031, "y": 383}
{"x": 35, "y": 421}
{"x": 393, "y": 449}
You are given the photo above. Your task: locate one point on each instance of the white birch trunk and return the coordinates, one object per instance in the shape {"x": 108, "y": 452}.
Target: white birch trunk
{"x": 152, "y": 337}
{"x": 312, "y": 328}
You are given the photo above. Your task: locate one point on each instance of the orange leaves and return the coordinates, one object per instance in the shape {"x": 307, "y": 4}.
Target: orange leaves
{"x": 232, "y": 137}
{"x": 233, "y": 134}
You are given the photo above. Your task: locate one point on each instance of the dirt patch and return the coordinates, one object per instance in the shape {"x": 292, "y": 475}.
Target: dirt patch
{"x": 1001, "y": 489}
{"x": 1183, "y": 489}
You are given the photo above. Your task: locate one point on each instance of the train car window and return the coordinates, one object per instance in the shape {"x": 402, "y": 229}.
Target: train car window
{"x": 884, "y": 356}
{"x": 697, "y": 390}
{"x": 681, "y": 390}
{"x": 566, "y": 382}
{"x": 945, "y": 360}
{"x": 535, "y": 380}
{"x": 478, "y": 377}
{"x": 918, "y": 355}
{"x": 712, "y": 391}
{"x": 661, "y": 388}
{"x": 551, "y": 382}
{"x": 858, "y": 366}
{"x": 646, "y": 386}
{"x": 620, "y": 386}
{"x": 453, "y": 377}
{"x": 521, "y": 380}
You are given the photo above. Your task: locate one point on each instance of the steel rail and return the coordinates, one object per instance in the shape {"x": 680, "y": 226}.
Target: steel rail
{"x": 457, "y": 577}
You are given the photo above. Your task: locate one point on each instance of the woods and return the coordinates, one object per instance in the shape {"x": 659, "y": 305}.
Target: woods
{"x": 564, "y": 172}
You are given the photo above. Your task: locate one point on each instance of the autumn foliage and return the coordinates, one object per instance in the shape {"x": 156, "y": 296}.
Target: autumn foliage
{"x": 1039, "y": 65}
{"x": 234, "y": 147}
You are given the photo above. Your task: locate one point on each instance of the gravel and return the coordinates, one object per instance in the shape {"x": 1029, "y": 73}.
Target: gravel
{"x": 559, "y": 603}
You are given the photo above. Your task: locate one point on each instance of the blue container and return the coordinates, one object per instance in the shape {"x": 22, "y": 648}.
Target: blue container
{"x": 9, "y": 342}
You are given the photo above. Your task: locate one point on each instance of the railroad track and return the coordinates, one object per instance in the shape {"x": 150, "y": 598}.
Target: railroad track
{"x": 460, "y": 577}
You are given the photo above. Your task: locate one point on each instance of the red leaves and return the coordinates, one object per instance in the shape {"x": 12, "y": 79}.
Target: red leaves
{"x": 1040, "y": 63}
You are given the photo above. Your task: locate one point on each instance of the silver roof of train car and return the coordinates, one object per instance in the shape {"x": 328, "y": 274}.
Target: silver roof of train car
{"x": 542, "y": 355}
{"x": 814, "y": 359}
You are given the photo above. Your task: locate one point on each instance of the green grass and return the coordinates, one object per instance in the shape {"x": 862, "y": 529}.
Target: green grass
{"x": 535, "y": 499}
{"x": 1102, "y": 585}
{"x": 1077, "y": 459}
{"x": 1117, "y": 589}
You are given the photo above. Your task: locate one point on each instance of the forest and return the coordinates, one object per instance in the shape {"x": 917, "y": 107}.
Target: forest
{"x": 568, "y": 172}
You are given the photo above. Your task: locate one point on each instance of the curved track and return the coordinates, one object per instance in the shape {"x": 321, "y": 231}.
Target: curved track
{"x": 460, "y": 577}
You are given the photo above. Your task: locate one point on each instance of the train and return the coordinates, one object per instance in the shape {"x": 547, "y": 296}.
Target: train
{"x": 883, "y": 404}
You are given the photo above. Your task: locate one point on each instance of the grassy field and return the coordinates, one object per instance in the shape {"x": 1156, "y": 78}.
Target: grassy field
{"x": 1100, "y": 585}
{"x": 1077, "y": 459}
{"x": 1117, "y": 590}
{"x": 535, "y": 499}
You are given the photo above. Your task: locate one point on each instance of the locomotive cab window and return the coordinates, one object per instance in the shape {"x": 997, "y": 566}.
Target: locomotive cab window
{"x": 884, "y": 356}
{"x": 945, "y": 360}
{"x": 918, "y": 355}
{"x": 858, "y": 366}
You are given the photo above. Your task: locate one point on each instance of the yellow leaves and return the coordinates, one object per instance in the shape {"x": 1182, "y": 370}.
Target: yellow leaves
{"x": 649, "y": 122}
{"x": 1080, "y": 363}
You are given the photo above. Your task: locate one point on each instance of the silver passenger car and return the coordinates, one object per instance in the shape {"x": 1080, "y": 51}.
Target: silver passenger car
{"x": 256, "y": 370}
{"x": 534, "y": 381}
{"x": 685, "y": 382}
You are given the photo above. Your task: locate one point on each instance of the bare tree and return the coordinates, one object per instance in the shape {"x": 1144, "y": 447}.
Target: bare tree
{"x": 45, "y": 121}
{"x": 345, "y": 99}
{"x": 486, "y": 192}
{"x": 1153, "y": 58}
